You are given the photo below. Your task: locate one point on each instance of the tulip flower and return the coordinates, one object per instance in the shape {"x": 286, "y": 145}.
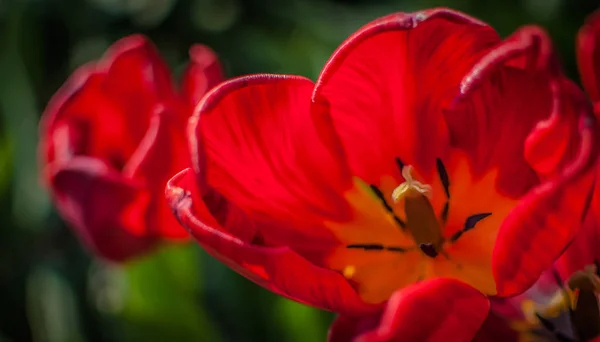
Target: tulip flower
{"x": 427, "y": 149}
{"x": 111, "y": 138}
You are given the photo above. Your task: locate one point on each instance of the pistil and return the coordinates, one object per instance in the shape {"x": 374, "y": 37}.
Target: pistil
{"x": 421, "y": 219}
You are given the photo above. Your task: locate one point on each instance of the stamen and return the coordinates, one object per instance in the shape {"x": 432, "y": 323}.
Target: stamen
{"x": 366, "y": 247}
{"x": 379, "y": 194}
{"x": 470, "y": 223}
{"x": 443, "y": 176}
{"x": 446, "y": 184}
{"x": 428, "y": 249}
{"x": 444, "y": 213}
{"x": 472, "y": 220}
{"x": 396, "y": 249}
{"x": 399, "y": 222}
{"x": 378, "y": 247}
{"x": 387, "y": 206}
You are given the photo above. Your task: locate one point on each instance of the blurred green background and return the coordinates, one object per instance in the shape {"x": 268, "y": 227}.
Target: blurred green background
{"x": 51, "y": 290}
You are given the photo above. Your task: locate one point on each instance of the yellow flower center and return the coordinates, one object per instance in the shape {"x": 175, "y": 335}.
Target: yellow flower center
{"x": 402, "y": 233}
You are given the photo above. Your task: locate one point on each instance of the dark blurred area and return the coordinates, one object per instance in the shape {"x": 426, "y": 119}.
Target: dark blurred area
{"x": 51, "y": 289}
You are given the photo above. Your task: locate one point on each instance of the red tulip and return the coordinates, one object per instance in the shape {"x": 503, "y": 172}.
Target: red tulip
{"x": 111, "y": 138}
{"x": 427, "y": 147}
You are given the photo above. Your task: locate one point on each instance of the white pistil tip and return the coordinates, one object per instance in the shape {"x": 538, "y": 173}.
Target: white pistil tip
{"x": 410, "y": 184}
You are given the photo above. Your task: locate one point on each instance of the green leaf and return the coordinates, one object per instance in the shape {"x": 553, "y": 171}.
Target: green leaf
{"x": 299, "y": 322}
{"x": 161, "y": 300}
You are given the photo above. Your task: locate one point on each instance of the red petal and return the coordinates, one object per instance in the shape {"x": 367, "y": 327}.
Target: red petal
{"x": 149, "y": 166}
{"x": 542, "y": 225}
{"x": 136, "y": 78}
{"x": 387, "y": 85}
{"x": 583, "y": 251}
{"x": 277, "y": 269}
{"x": 504, "y": 96}
{"x": 81, "y": 120}
{"x": 105, "y": 107}
{"x": 100, "y": 205}
{"x": 257, "y": 145}
{"x": 588, "y": 55}
{"x": 546, "y": 219}
{"x": 434, "y": 310}
{"x": 201, "y": 74}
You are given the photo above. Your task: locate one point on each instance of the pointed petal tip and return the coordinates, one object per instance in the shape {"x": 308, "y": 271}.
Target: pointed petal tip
{"x": 129, "y": 42}
{"x": 203, "y": 55}
{"x": 529, "y": 46}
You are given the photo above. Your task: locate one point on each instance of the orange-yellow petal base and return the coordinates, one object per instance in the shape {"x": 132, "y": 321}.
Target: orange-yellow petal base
{"x": 378, "y": 272}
